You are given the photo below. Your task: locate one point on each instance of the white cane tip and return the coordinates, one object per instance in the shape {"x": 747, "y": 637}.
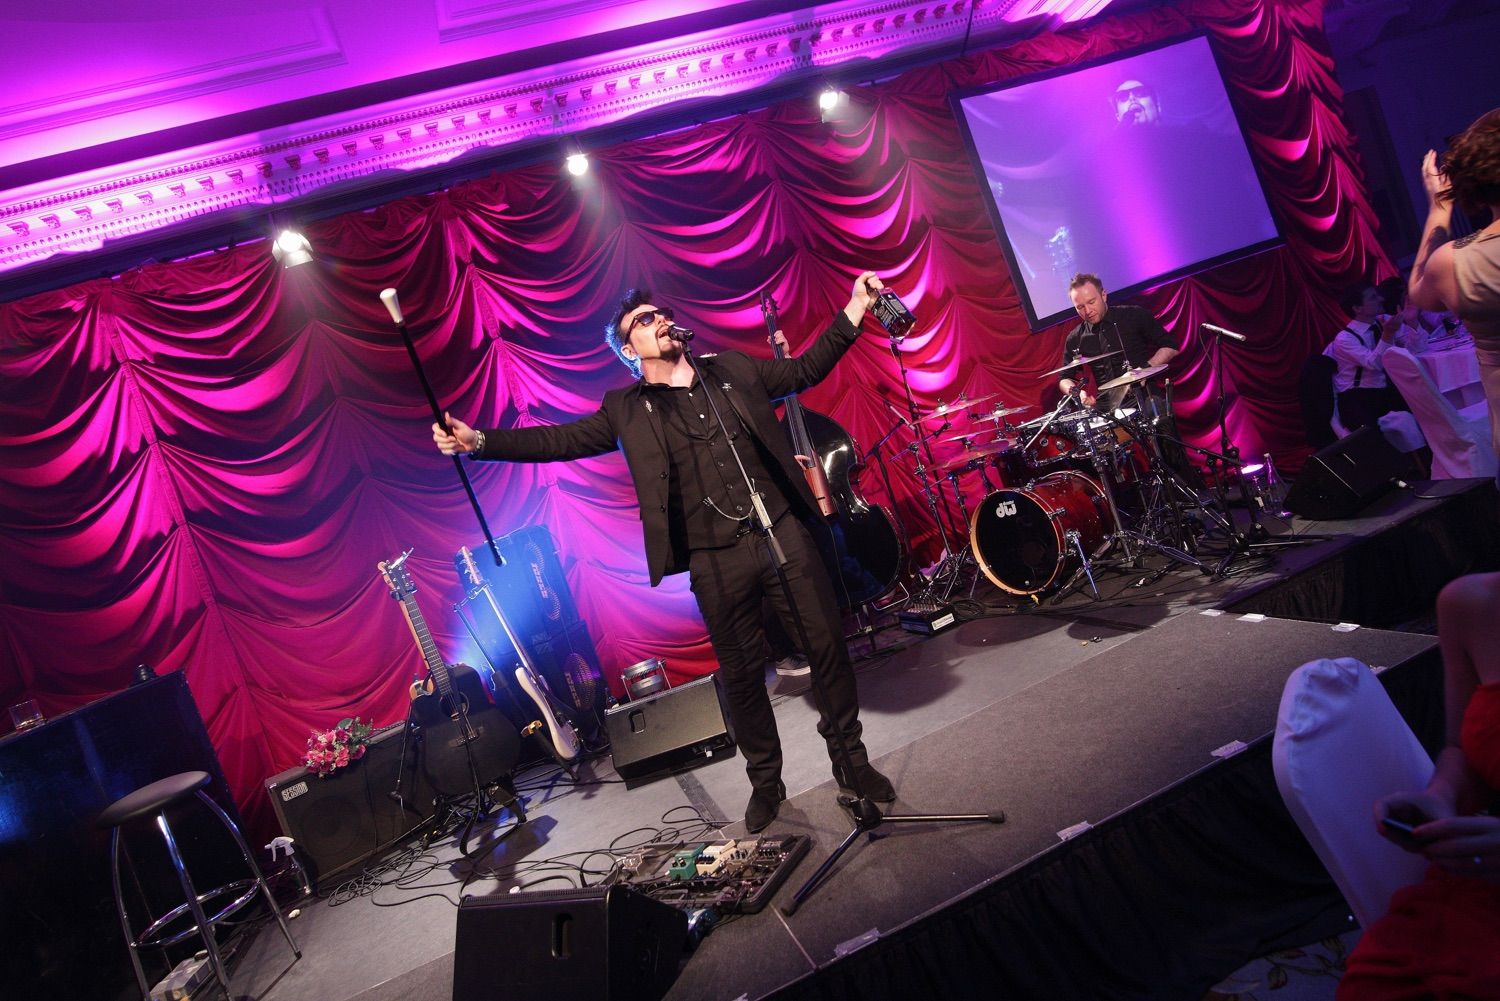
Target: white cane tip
{"x": 392, "y": 304}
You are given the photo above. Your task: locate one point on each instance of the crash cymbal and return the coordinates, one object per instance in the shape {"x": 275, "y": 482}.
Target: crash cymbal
{"x": 1133, "y": 376}
{"x": 999, "y": 413}
{"x": 943, "y": 411}
{"x": 1075, "y": 363}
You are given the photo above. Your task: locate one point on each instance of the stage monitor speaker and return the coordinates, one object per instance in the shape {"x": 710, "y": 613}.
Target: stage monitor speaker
{"x": 338, "y": 822}
{"x": 1344, "y": 478}
{"x": 593, "y": 944}
{"x": 679, "y": 726}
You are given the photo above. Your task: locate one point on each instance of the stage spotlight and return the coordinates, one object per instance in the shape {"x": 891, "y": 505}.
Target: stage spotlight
{"x": 578, "y": 164}
{"x": 833, "y": 104}
{"x": 291, "y": 249}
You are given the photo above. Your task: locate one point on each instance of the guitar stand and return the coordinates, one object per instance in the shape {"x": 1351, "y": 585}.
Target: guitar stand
{"x": 475, "y": 807}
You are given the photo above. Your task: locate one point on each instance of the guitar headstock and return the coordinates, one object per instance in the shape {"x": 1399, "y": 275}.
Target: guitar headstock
{"x": 468, "y": 569}
{"x": 397, "y": 577}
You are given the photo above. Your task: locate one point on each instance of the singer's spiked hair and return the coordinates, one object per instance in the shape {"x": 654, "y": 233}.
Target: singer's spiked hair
{"x": 1084, "y": 278}
{"x": 612, "y": 335}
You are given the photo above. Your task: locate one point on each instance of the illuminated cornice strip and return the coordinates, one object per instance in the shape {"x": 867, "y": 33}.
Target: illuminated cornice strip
{"x": 280, "y": 167}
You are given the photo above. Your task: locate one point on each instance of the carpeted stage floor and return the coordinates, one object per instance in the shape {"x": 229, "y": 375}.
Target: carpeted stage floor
{"x": 1138, "y": 722}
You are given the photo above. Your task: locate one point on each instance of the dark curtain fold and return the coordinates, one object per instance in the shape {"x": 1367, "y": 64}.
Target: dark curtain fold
{"x": 204, "y": 460}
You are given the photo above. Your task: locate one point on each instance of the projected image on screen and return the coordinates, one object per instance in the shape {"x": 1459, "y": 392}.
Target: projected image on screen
{"x": 1134, "y": 170}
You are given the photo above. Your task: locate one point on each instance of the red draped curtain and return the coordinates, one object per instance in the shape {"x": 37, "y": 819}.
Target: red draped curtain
{"x": 204, "y": 460}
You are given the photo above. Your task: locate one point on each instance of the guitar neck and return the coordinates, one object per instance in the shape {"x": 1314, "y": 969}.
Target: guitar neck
{"x": 435, "y": 666}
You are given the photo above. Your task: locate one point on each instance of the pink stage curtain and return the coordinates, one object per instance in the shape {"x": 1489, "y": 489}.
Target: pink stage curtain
{"x": 205, "y": 460}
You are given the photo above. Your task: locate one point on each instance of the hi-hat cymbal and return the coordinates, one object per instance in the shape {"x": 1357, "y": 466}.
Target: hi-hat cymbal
{"x": 1133, "y": 376}
{"x": 974, "y": 457}
{"x": 984, "y": 433}
{"x": 945, "y": 410}
{"x": 1077, "y": 362}
{"x": 999, "y": 413}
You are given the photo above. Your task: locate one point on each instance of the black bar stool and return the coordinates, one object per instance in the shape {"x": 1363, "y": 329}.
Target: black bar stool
{"x": 155, "y": 799}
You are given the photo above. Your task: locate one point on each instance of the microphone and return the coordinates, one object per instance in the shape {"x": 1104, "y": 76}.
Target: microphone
{"x": 1225, "y": 333}
{"x": 392, "y": 305}
{"x": 679, "y": 334}
{"x": 892, "y": 408}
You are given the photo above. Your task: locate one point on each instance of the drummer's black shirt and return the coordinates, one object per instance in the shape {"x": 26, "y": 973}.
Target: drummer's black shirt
{"x": 1132, "y": 328}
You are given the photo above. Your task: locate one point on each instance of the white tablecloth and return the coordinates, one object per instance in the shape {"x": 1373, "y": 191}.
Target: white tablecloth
{"x": 1454, "y": 368}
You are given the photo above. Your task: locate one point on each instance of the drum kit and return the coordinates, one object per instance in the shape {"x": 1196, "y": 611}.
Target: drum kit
{"x": 1062, "y": 495}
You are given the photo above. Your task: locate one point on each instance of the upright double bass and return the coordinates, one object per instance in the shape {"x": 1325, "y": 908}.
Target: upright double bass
{"x": 858, "y": 540}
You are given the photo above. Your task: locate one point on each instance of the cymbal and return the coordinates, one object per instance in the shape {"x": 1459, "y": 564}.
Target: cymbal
{"x": 974, "y": 456}
{"x": 976, "y": 433}
{"x": 1133, "y": 376}
{"x": 944, "y": 410}
{"x": 999, "y": 413}
{"x": 1075, "y": 363}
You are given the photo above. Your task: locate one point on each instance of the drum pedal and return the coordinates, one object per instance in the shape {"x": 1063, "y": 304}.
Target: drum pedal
{"x": 926, "y": 617}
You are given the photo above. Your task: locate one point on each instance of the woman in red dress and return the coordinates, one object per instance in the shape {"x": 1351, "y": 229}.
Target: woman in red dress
{"x": 1440, "y": 939}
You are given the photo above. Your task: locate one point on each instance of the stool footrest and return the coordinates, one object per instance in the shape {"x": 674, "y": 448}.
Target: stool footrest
{"x": 154, "y": 937}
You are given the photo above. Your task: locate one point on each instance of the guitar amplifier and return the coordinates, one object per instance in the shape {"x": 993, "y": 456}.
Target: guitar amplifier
{"x": 563, "y": 654}
{"x": 339, "y": 821}
{"x": 670, "y": 730}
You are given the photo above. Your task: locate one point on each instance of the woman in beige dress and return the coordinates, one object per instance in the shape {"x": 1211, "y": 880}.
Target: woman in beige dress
{"x": 1464, "y": 275}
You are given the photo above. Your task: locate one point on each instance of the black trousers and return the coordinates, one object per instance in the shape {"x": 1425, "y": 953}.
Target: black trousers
{"x": 1358, "y": 407}
{"x": 729, "y": 584}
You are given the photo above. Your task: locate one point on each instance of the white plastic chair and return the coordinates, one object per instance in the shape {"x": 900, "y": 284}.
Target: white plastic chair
{"x": 1459, "y": 439}
{"x": 1340, "y": 745}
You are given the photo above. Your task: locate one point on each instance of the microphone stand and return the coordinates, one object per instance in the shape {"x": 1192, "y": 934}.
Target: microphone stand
{"x": 1240, "y": 543}
{"x": 921, "y": 446}
{"x": 863, "y": 810}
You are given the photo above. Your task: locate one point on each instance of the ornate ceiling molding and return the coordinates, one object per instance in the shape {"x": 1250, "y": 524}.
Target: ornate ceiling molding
{"x": 342, "y": 153}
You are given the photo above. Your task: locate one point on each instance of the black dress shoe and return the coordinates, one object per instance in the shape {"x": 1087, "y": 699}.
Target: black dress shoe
{"x": 762, "y": 808}
{"x": 873, "y": 784}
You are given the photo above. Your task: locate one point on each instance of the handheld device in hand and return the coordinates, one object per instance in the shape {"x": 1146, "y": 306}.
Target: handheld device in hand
{"x": 1401, "y": 831}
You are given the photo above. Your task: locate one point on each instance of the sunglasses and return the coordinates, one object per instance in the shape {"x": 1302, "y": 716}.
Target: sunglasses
{"x": 649, "y": 317}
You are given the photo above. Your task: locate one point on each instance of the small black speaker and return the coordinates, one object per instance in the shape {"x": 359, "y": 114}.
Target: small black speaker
{"x": 679, "y": 726}
{"x": 338, "y": 822}
{"x": 593, "y": 944}
{"x": 1344, "y": 478}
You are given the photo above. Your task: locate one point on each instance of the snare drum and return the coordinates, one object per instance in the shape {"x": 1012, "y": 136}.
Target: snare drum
{"x": 1024, "y": 538}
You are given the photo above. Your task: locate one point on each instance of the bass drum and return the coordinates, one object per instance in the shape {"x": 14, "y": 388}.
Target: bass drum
{"x": 1021, "y": 537}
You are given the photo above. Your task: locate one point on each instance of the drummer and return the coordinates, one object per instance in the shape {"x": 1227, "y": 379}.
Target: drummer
{"x": 1130, "y": 335}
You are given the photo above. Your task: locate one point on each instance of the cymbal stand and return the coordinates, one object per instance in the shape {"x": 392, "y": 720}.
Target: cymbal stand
{"x": 949, "y": 565}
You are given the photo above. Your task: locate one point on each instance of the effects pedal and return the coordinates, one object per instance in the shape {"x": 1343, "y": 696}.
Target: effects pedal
{"x": 927, "y": 617}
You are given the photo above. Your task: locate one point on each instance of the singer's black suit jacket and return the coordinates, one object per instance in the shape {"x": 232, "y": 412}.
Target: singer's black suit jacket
{"x": 626, "y": 421}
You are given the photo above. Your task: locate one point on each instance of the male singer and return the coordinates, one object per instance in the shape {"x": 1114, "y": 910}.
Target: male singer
{"x": 698, "y": 515}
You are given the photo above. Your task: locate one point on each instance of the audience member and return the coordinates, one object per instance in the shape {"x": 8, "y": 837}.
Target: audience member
{"x": 1464, "y": 275}
{"x": 1441, "y": 937}
{"x": 1364, "y": 393}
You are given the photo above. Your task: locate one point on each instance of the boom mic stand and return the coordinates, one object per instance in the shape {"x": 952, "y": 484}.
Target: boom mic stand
{"x": 863, "y": 810}
{"x": 1240, "y": 543}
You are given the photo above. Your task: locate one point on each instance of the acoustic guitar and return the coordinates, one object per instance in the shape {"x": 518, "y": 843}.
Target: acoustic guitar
{"x": 467, "y": 743}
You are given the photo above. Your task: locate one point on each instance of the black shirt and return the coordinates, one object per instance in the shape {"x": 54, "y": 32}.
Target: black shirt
{"x": 1132, "y": 328}
{"x": 708, "y": 505}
